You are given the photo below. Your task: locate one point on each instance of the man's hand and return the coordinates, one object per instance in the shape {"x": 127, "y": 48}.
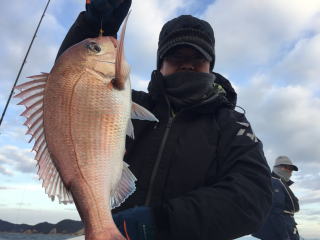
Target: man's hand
{"x": 98, "y": 9}
{"x": 108, "y": 13}
{"x": 137, "y": 222}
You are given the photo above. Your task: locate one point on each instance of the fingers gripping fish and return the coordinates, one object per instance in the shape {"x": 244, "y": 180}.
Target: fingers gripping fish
{"x": 79, "y": 115}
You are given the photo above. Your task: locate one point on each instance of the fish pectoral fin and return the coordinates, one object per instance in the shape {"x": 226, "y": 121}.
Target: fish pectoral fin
{"x": 124, "y": 188}
{"x": 139, "y": 112}
{"x": 130, "y": 130}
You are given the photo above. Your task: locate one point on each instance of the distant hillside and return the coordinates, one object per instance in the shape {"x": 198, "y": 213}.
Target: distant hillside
{"x": 62, "y": 227}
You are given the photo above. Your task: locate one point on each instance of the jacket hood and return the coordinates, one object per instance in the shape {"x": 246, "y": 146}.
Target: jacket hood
{"x": 231, "y": 94}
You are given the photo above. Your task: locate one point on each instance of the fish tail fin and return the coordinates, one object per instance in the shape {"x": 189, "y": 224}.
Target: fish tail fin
{"x": 124, "y": 188}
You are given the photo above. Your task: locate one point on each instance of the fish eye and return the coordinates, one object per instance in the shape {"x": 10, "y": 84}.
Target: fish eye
{"x": 94, "y": 47}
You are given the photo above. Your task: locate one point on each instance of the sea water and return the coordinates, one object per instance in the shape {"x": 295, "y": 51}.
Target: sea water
{"x": 22, "y": 236}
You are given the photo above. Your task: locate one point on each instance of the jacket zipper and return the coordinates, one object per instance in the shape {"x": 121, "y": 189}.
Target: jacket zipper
{"x": 172, "y": 116}
{"x": 144, "y": 231}
{"x": 163, "y": 142}
{"x": 293, "y": 207}
{"x": 158, "y": 159}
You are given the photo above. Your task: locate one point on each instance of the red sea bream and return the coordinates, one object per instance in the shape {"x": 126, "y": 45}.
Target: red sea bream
{"x": 79, "y": 115}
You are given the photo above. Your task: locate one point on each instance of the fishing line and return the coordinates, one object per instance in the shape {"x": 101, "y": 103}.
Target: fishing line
{"x": 22, "y": 65}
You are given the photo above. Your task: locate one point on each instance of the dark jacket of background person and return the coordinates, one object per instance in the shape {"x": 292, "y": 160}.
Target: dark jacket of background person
{"x": 201, "y": 170}
{"x": 280, "y": 225}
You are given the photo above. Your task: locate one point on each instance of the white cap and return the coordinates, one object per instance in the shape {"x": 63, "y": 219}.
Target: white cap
{"x": 284, "y": 160}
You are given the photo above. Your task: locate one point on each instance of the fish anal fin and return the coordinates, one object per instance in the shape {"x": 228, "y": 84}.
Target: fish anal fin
{"x": 124, "y": 188}
{"x": 52, "y": 181}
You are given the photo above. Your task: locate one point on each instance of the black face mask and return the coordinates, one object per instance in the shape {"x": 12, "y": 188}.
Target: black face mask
{"x": 185, "y": 89}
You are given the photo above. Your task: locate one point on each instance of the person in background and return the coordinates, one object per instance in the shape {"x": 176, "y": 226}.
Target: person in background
{"x": 201, "y": 171}
{"x": 280, "y": 225}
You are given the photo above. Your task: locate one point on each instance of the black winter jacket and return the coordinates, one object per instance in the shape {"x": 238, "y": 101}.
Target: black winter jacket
{"x": 202, "y": 170}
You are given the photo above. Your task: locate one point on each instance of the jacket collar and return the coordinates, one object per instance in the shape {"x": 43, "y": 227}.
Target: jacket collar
{"x": 289, "y": 183}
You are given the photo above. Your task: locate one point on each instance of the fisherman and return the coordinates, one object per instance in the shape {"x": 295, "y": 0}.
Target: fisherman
{"x": 280, "y": 225}
{"x": 201, "y": 170}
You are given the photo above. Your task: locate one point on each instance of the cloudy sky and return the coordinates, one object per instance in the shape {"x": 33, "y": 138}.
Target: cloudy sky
{"x": 269, "y": 49}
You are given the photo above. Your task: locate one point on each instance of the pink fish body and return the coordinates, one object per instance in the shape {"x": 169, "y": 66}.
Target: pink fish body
{"x": 79, "y": 116}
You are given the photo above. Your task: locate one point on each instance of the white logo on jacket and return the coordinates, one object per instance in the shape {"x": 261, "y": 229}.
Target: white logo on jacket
{"x": 247, "y": 131}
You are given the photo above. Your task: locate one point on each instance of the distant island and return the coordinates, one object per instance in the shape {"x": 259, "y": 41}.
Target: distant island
{"x": 63, "y": 227}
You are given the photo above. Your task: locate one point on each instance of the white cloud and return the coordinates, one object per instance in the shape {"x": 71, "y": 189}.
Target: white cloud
{"x": 308, "y": 219}
{"x": 252, "y": 32}
{"x": 14, "y": 128}
{"x": 5, "y": 171}
{"x": 139, "y": 83}
{"x": 21, "y": 20}
{"x": 143, "y": 31}
{"x": 301, "y": 65}
{"x": 310, "y": 196}
{"x": 285, "y": 118}
{"x": 17, "y": 159}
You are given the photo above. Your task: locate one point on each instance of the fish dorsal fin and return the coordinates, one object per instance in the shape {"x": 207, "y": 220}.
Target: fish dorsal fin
{"x": 124, "y": 188}
{"x": 121, "y": 70}
{"x": 32, "y": 93}
{"x": 139, "y": 112}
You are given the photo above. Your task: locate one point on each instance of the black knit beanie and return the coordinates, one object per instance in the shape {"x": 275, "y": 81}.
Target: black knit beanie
{"x": 187, "y": 30}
